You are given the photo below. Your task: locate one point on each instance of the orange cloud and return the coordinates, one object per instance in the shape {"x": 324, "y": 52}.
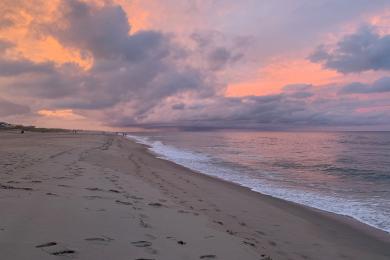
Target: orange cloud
{"x": 272, "y": 78}
{"x": 40, "y": 49}
{"x": 60, "y": 113}
{"x": 381, "y": 22}
{"x": 28, "y": 43}
{"x": 138, "y": 16}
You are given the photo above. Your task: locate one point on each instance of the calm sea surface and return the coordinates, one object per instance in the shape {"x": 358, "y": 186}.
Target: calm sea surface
{"x": 342, "y": 172}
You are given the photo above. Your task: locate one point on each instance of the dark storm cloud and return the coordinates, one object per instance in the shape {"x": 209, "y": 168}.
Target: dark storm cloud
{"x": 361, "y": 51}
{"x": 8, "y": 108}
{"x": 380, "y": 86}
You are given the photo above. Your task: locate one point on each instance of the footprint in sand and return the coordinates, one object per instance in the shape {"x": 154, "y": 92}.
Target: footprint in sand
{"x": 231, "y": 232}
{"x": 141, "y": 243}
{"x": 218, "y": 222}
{"x": 261, "y": 232}
{"x": 53, "y": 248}
{"x": 143, "y": 224}
{"x": 136, "y": 198}
{"x": 180, "y": 242}
{"x": 100, "y": 240}
{"x": 155, "y": 204}
{"x": 123, "y": 202}
{"x": 208, "y": 257}
{"x": 9, "y": 187}
{"x": 94, "y": 189}
{"x": 272, "y": 243}
{"x": 46, "y": 244}
{"x": 64, "y": 252}
{"x": 63, "y": 185}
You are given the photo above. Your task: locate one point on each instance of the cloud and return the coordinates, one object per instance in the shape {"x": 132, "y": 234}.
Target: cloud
{"x": 17, "y": 67}
{"x": 8, "y": 108}
{"x": 178, "y": 106}
{"x": 379, "y": 86}
{"x": 299, "y": 90}
{"x": 276, "y": 27}
{"x": 137, "y": 71}
{"x": 220, "y": 57}
{"x": 60, "y": 113}
{"x": 153, "y": 78}
{"x": 104, "y": 32}
{"x": 298, "y": 106}
{"x": 4, "y": 45}
{"x": 362, "y": 51}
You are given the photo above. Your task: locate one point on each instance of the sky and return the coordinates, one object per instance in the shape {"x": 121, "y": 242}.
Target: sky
{"x": 196, "y": 64}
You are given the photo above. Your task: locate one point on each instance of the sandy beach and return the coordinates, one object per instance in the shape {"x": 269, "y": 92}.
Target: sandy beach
{"x": 102, "y": 196}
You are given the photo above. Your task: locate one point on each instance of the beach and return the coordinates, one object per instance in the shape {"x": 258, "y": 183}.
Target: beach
{"x": 101, "y": 196}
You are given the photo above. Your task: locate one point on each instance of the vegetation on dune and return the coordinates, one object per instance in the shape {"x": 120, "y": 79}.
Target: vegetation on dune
{"x": 31, "y": 128}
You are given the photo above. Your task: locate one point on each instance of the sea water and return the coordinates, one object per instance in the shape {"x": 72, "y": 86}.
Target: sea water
{"x": 342, "y": 172}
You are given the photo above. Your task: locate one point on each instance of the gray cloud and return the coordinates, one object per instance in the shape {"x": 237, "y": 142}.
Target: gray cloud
{"x": 298, "y": 106}
{"x": 178, "y": 106}
{"x": 220, "y": 57}
{"x": 299, "y": 90}
{"x": 218, "y": 51}
{"x": 8, "y": 108}
{"x": 4, "y": 45}
{"x": 147, "y": 79}
{"x": 361, "y": 51}
{"x": 18, "y": 67}
{"x": 137, "y": 70}
{"x": 104, "y": 32}
{"x": 380, "y": 86}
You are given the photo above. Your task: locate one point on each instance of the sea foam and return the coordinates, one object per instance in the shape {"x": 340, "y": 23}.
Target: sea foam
{"x": 206, "y": 164}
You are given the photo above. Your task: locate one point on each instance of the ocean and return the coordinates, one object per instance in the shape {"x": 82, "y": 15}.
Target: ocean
{"x": 347, "y": 173}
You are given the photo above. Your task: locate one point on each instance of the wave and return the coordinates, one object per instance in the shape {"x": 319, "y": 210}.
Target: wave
{"x": 361, "y": 209}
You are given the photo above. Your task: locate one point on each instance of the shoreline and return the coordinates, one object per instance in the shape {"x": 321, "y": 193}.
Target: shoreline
{"x": 347, "y": 219}
{"x": 94, "y": 196}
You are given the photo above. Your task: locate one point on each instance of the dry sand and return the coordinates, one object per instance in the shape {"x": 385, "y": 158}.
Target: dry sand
{"x": 94, "y": 196}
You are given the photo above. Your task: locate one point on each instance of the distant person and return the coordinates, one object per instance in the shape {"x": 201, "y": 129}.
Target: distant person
{"x": 22, "y": 131}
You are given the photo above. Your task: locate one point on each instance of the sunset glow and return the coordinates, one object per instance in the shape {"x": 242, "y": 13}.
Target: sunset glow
{"x": 63, "y": 114}
{"x": 118, "y": 63}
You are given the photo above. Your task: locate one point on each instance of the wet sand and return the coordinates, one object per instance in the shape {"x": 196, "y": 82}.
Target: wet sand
{"x": 94, "y": 196}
